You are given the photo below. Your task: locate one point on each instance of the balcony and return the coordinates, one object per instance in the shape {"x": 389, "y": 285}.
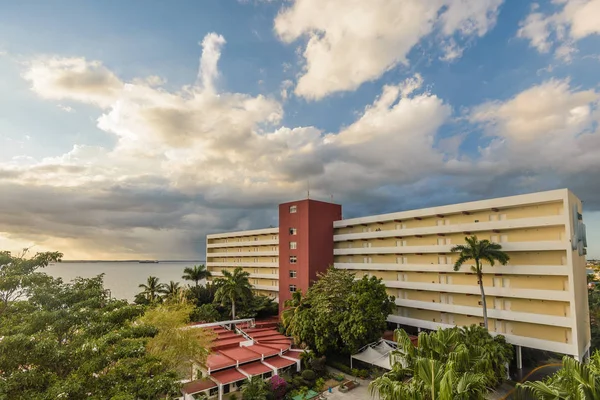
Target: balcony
{"x": 265, "y": 287}
{"x": 474, "y": 227}
{"x": 445, "y": 248}
{"x": 247, "y": 243}
{"x": 556, "y": 295}
{"x": 252, "y": 275}
{"x": 272, "y": 253}
{"x": 534, "y": 343}
{"x": 449, "y": 268}
{"x": 243, "y": 264}
{"x": 505, "y": 315}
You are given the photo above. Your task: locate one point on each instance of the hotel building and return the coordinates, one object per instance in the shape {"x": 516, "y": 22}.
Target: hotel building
{"x": 538, "y": 300}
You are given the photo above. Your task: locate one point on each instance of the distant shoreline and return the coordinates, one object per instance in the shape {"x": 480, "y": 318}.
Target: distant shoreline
{"x": 131, "y": 261}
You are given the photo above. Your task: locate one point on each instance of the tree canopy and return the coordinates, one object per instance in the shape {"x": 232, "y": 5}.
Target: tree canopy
{"x": 234, "y": 286}
{"x": 448, "y": 364}
{"x": 195, "y": 273}
{"x": 339, "y": 313}
{"x": 575, "y": 381}
{"x": 71, "y": 341}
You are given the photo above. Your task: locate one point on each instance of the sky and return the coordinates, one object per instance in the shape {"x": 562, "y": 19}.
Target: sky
{"x": 133, "y": 129}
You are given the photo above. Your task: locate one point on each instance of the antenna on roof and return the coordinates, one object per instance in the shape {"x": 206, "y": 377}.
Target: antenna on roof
{"x": 308, "y": 188}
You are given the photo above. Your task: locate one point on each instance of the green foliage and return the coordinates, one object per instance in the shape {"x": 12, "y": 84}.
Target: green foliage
{"x": 151, "y": 290}
{"x": 18, "y": 273}
{"x": 456, "y": 363}
{"x": 172, "y": 290}
{"x": 233, "y": 287}
{"x": 195, "y": 273}
{"x": 339, "y": 313}
{"x": 71, "y": 341}
{"x": 255, "y": 388}
{"x": 320, "y": 384}
{"x": 178, "y": 348}
{"x": 340, "y": 366}
{"x": 479, "y": 251}
{"x": 206, "y": 313}
{"x": 575, "y": 381}
{"x": 308, "y": 375}
{"x": 200, "y": 295}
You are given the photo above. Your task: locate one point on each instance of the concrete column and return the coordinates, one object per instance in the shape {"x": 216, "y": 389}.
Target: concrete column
{"x": 220, "y": 392}
{"x": 519, "y": 358}
{"x": 507, "y": 366}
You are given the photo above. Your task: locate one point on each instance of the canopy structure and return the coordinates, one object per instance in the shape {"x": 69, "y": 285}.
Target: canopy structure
{"x": 377, "y": 354}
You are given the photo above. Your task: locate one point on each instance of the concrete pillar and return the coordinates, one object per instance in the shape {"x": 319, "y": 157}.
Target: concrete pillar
{"x": 519, "y": 358}
{"x": 507, "y": 366}
{"x": 419, "y": 330}
{"x": 220, "y": 392}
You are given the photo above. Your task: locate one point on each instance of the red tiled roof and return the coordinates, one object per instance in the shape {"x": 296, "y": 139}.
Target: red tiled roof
{"x": 279, "y": 362}
{"x": 221, "y": 344}
{"x": 227, "y": 376}
{"x": 280, "y": 346}
{"x": 293, "y": 354}
{"x": 259, "y": 334}
{"x": 241, "y": 354}
{"x": 255, "y": 368}
{"x": 218, "y": 361}
{"x": 272, "y": 337}
{"x": 263, "y": 350}
{"x": 226, "y": 335}
{"x": 197, "y": 386}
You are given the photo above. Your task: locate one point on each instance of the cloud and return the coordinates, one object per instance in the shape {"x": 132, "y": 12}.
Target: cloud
{"x": 352, "y": 42}
{"x": 73, "y": 79}
{"x": 211, "y": 52}
{"x": 574, "y": 20}
{"x": 197, "y": 160}
{"x": 66, "y": 108}
{"x": 539, "y": 113}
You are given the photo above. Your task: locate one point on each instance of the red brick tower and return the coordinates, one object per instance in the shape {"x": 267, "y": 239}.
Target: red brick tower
{"x": 305, "y": 243}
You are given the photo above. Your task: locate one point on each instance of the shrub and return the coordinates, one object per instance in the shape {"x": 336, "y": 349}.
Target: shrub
{"x": 308, "y": 375}
{"x": 319, "y": 384}
{"x": 363, "y": 373}
{"x": 341, "y": 366}
{"x": 233, "y": 396}
{"x": 354, "y": 372}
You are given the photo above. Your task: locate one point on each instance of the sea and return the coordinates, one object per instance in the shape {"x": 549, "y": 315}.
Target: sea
{"x": 121, "y": 277}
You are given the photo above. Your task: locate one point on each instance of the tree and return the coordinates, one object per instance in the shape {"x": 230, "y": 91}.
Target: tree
{"x": 171, "y": 290}
{"x": 255, "y": 388}
{"x": 152, "y": 288}
{"x": 289, "y": 313}
{"x": 575, "y": 381}
{"x": 456, "y": 363}
{"x": 332, "y": 317}
{"x": 196, "y": 273}
{"x": 18, "y": 273}
{"x": 72, "y": 341}
{"x": 234, "y": 286}
{"x": 206, "y": 313}
{"x": 202, "y": 294}
{"x": 181, "y": 349}
{"x": 479, "y": 251}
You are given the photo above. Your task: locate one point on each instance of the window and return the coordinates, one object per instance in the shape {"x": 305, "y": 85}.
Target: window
{"x": 293, "y": 231}
{"x": 292, "y": 288}
{"x": 256, "y": 281}
{"x": 293, "y": 209}
{"x": 293, "y": 245}
{"x": 256, "y": 270}
{"x": 292, "y": 273}
{"x": 293, "y": 259}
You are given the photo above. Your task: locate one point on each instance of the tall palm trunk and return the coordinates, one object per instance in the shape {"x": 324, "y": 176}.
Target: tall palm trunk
{"x": 233, "y": 308}
{"x": 483, "y": 302}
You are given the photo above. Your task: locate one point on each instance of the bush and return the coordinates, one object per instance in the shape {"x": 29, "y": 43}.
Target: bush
{"x": 341, "y": 366}
{"x": 233, "y": 396}
{"x": 319, "y": 384}
{"x": 308, "y": 375}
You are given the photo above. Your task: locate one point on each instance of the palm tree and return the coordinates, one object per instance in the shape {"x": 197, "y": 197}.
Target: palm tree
{"x": 444, "y": 366}
{"x": 289, "y": 314}
{"x": 196, "y": 273}
{"x": 479, "y": 251}
{"x": 233, "y": 286}
{"x": 171, "y": 290}
{"x": 575, "y": 381}
{"x": 255, "y": 388}
{"x": 152, "y": 288}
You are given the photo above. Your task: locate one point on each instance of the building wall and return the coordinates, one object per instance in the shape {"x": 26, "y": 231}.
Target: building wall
{"x": 537, "y": 300}
{"x": 313, "y": 221}
{"x": 255, "y": 251}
